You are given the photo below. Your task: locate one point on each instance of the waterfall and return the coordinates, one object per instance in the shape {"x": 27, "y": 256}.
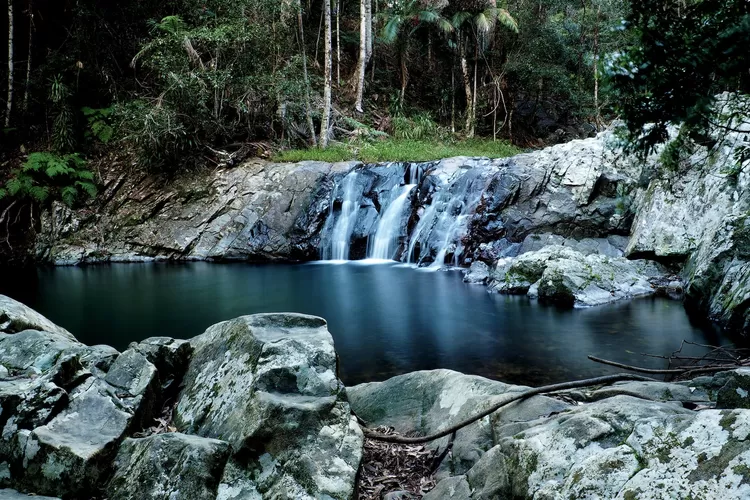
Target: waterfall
{"x": 389, "y": 227}
{"x": 444, "y": 222}
{"x": 338, "y": 246}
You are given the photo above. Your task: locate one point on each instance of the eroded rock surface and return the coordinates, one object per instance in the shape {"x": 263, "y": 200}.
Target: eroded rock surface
{"x": 169, "y": 466}
{"x": 563, "y": 275}
{"x": 267, "y": 384}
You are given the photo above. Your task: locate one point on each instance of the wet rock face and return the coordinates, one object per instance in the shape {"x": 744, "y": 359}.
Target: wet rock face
{"x": 267, "y": 384}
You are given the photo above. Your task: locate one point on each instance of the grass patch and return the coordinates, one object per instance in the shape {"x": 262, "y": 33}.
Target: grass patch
{"x": 400, "y": 150}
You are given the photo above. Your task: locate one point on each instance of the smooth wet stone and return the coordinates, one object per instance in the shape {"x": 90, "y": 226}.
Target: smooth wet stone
{"x": 267, "y": 384}
{"x": 16, "y": 317}
{"x": 426, "y": 402}
{"x": 170, "y": 466}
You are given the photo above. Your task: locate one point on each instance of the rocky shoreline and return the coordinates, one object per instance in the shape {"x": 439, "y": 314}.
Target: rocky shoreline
{"x": 254, "y": 408}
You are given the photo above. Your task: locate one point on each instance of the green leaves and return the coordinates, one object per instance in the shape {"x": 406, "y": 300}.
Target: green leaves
{"x": 682, "y": 58}
{"x": 46, "y": 175}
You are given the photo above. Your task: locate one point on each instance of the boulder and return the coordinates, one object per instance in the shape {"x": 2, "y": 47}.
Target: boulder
{"x": 621, "y": 447}
{"x": 16, "y": 317}
{"x": 426, "y": 402}
{"x": 169, "y": 466}
{"x": 267, "y": 384}
{"x": 65, "y": 408}
{"x": 560, "y": 274}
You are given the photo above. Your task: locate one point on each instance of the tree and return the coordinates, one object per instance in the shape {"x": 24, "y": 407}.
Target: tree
{"x": 474, "y": 27}
{"x": 685, "y": 53}
{"x": 11, "y": 55}
{"x": 308, "y": 107}
{"x": 365, "y": 48}
{"x": 403, "y": 19}
{"x": 325, "y": 122}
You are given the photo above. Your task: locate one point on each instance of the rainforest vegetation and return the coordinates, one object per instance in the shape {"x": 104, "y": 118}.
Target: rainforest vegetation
{"x": 173, "y": 85}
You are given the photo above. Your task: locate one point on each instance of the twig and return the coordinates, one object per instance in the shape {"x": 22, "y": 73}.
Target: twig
{"x": 608, "y": 379}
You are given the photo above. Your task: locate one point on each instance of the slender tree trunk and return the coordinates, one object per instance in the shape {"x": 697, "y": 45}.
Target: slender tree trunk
{"x": 325, "y": 123}
{"x": 308, "y": 108}
{"x": 474, "y": 94}
{"x": 338, "y": 42}
{"x": 369, "y": 29}
{"x": 373, "y": 26}
{"x": 453, "y": 97}
{"x": 597, "y": 116}
{"x": 10, "y": 63}
{"x": 404, "y": 71}
{"x": 28, "y": 57}
{"x": 362, "y": 62}
{"x": 467, "y": 87}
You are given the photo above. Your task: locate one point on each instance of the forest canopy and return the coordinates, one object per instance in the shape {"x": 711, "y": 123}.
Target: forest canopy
{"x": 183, "y": 82}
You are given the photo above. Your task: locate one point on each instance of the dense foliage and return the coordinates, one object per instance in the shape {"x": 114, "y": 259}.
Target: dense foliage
{"x": 183, "y": 76}
{"x": 685, "y": 53}
{"x": 184, "y": 82}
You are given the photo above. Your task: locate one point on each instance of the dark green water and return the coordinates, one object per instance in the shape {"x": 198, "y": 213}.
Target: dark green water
{"x": 385, "y": 319}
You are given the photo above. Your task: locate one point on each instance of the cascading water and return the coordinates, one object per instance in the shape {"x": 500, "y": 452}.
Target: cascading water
{"x": 444, "y": 222}
{"x": 338, "y": 246}
{"x": 385, "y": 242}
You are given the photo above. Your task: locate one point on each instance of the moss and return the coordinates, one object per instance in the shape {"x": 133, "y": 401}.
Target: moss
{"x": 711, "y": 468}
{"x": 577, "y": 476}
{"x": 743, "y": 471}
{"x": 688, "y": 442}
{"x": 630, "y": 495}
{"x": 667, "y": 394}
{"x": 728, "y": 418}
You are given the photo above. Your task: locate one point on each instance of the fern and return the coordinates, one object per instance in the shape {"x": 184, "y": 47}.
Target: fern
{"x": 47, "y": 175}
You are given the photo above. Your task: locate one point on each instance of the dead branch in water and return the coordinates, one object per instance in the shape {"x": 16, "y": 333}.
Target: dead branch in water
{"x": 715, "y": 360}
{"x": 577, "y": 384}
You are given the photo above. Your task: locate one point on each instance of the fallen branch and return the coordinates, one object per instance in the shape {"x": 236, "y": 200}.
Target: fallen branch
{"x": 577, "y": 384}
{"x": 672, "y": 371}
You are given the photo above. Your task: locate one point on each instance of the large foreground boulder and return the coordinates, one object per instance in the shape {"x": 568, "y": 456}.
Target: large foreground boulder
{"x": 267, "y": 384}
{"x": 16, "y": 317}
{"x": 65, "y": 406}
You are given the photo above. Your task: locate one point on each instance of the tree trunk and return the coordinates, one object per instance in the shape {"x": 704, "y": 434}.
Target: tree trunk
{"x": 10, "y": 63}
{"x": 308, "y": 110}
{"x": 362, "y": 63}
{"x": 597, "y": 116}
{"x": 369, "y": 29}
{"x": 404, "y": 71}
{"x": 328, "y": 70}
{"x": 453, "y": 97}
{"x": 467, "y": 86}
{"x": 28, "y": 57}
{"x": 338, "y": 42}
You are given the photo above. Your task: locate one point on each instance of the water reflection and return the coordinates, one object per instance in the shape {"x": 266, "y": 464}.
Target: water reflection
{"x": 386, "y": 319}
